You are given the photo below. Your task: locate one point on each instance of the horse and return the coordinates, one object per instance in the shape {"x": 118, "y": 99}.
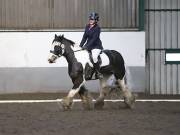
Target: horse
{"x": 80, "y": 72}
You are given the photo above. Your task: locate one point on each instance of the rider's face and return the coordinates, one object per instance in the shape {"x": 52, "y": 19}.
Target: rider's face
{"x": 91, "y": 22}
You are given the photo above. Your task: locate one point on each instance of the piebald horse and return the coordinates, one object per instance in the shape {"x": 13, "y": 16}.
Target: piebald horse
{"x": 80, "y": 70}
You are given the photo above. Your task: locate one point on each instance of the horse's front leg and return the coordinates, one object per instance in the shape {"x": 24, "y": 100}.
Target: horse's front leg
{"x": 67, "y": 102}
{"x": 85, "y": 98}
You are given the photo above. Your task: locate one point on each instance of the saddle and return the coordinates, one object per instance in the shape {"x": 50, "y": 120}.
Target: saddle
{"x": 89, "y": 70}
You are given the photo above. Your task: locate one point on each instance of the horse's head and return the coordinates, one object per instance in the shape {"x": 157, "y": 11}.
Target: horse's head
{"x": 58, "y": 49}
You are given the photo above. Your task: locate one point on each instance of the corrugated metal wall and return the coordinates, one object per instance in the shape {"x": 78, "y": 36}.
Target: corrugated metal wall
{"x": 19, "y": 14}
{"x": 67, "y": 14}
{"x": 162, "y": 27}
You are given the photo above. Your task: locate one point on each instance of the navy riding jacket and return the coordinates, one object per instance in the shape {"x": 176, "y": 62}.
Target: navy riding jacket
{"x": 92, "y": 38}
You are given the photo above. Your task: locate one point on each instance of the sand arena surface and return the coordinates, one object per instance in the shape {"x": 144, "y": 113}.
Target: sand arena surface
{"x": 148, "y": 118}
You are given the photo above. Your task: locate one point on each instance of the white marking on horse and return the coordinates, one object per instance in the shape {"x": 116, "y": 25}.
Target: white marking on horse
{"x": 73, "y": 92}
{"x": 83, "y": 57}
{"x": 105, "y": 60}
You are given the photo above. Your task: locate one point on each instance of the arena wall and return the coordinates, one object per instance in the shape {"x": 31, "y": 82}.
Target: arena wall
{"x": 24, "y": 67}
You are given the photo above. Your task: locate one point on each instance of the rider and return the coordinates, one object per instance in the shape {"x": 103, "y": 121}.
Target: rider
{"x": 93, "y": 44}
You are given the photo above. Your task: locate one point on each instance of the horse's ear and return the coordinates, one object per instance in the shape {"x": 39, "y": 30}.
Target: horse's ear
{"x": 62, "y": 35}
{"x": 56, "y": 36}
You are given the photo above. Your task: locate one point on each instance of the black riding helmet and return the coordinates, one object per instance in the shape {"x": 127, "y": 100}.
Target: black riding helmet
{"x": 94, "y": 16}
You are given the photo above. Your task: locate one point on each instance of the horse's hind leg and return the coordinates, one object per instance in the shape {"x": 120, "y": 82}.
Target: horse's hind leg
{"x": 86, "y": 98}
{"x": 129, "y": 98}
{"x": 104, "y": 90}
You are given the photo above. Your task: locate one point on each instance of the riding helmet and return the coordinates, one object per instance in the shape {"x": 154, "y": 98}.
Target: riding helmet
{"x": 94, "y": 16}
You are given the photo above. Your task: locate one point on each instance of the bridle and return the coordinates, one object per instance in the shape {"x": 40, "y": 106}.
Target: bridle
{"x": 60, "y": 44}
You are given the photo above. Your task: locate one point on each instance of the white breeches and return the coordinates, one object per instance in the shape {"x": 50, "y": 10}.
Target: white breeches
{"x": 95, "y": 53}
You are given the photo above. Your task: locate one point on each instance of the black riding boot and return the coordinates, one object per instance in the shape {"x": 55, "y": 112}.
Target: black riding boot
{"x": 97, "y": 70}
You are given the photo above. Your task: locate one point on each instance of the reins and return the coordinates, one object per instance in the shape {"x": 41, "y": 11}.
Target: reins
{"x": 78, "y": 50}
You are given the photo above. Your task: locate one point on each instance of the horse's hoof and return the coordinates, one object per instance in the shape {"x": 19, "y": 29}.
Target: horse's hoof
{"x": 87, "y": 103}
{"x": 67, "y": 103}
{"x": 130, "y": 102}
{"x": 99, "y": 104}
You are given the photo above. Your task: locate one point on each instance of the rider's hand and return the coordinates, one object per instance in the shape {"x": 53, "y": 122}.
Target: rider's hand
{"x": 84, "y": 48}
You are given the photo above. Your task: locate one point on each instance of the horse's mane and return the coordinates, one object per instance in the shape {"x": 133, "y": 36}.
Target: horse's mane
{"x": 61, "y": 38}
{"x": 70, "y": 41}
